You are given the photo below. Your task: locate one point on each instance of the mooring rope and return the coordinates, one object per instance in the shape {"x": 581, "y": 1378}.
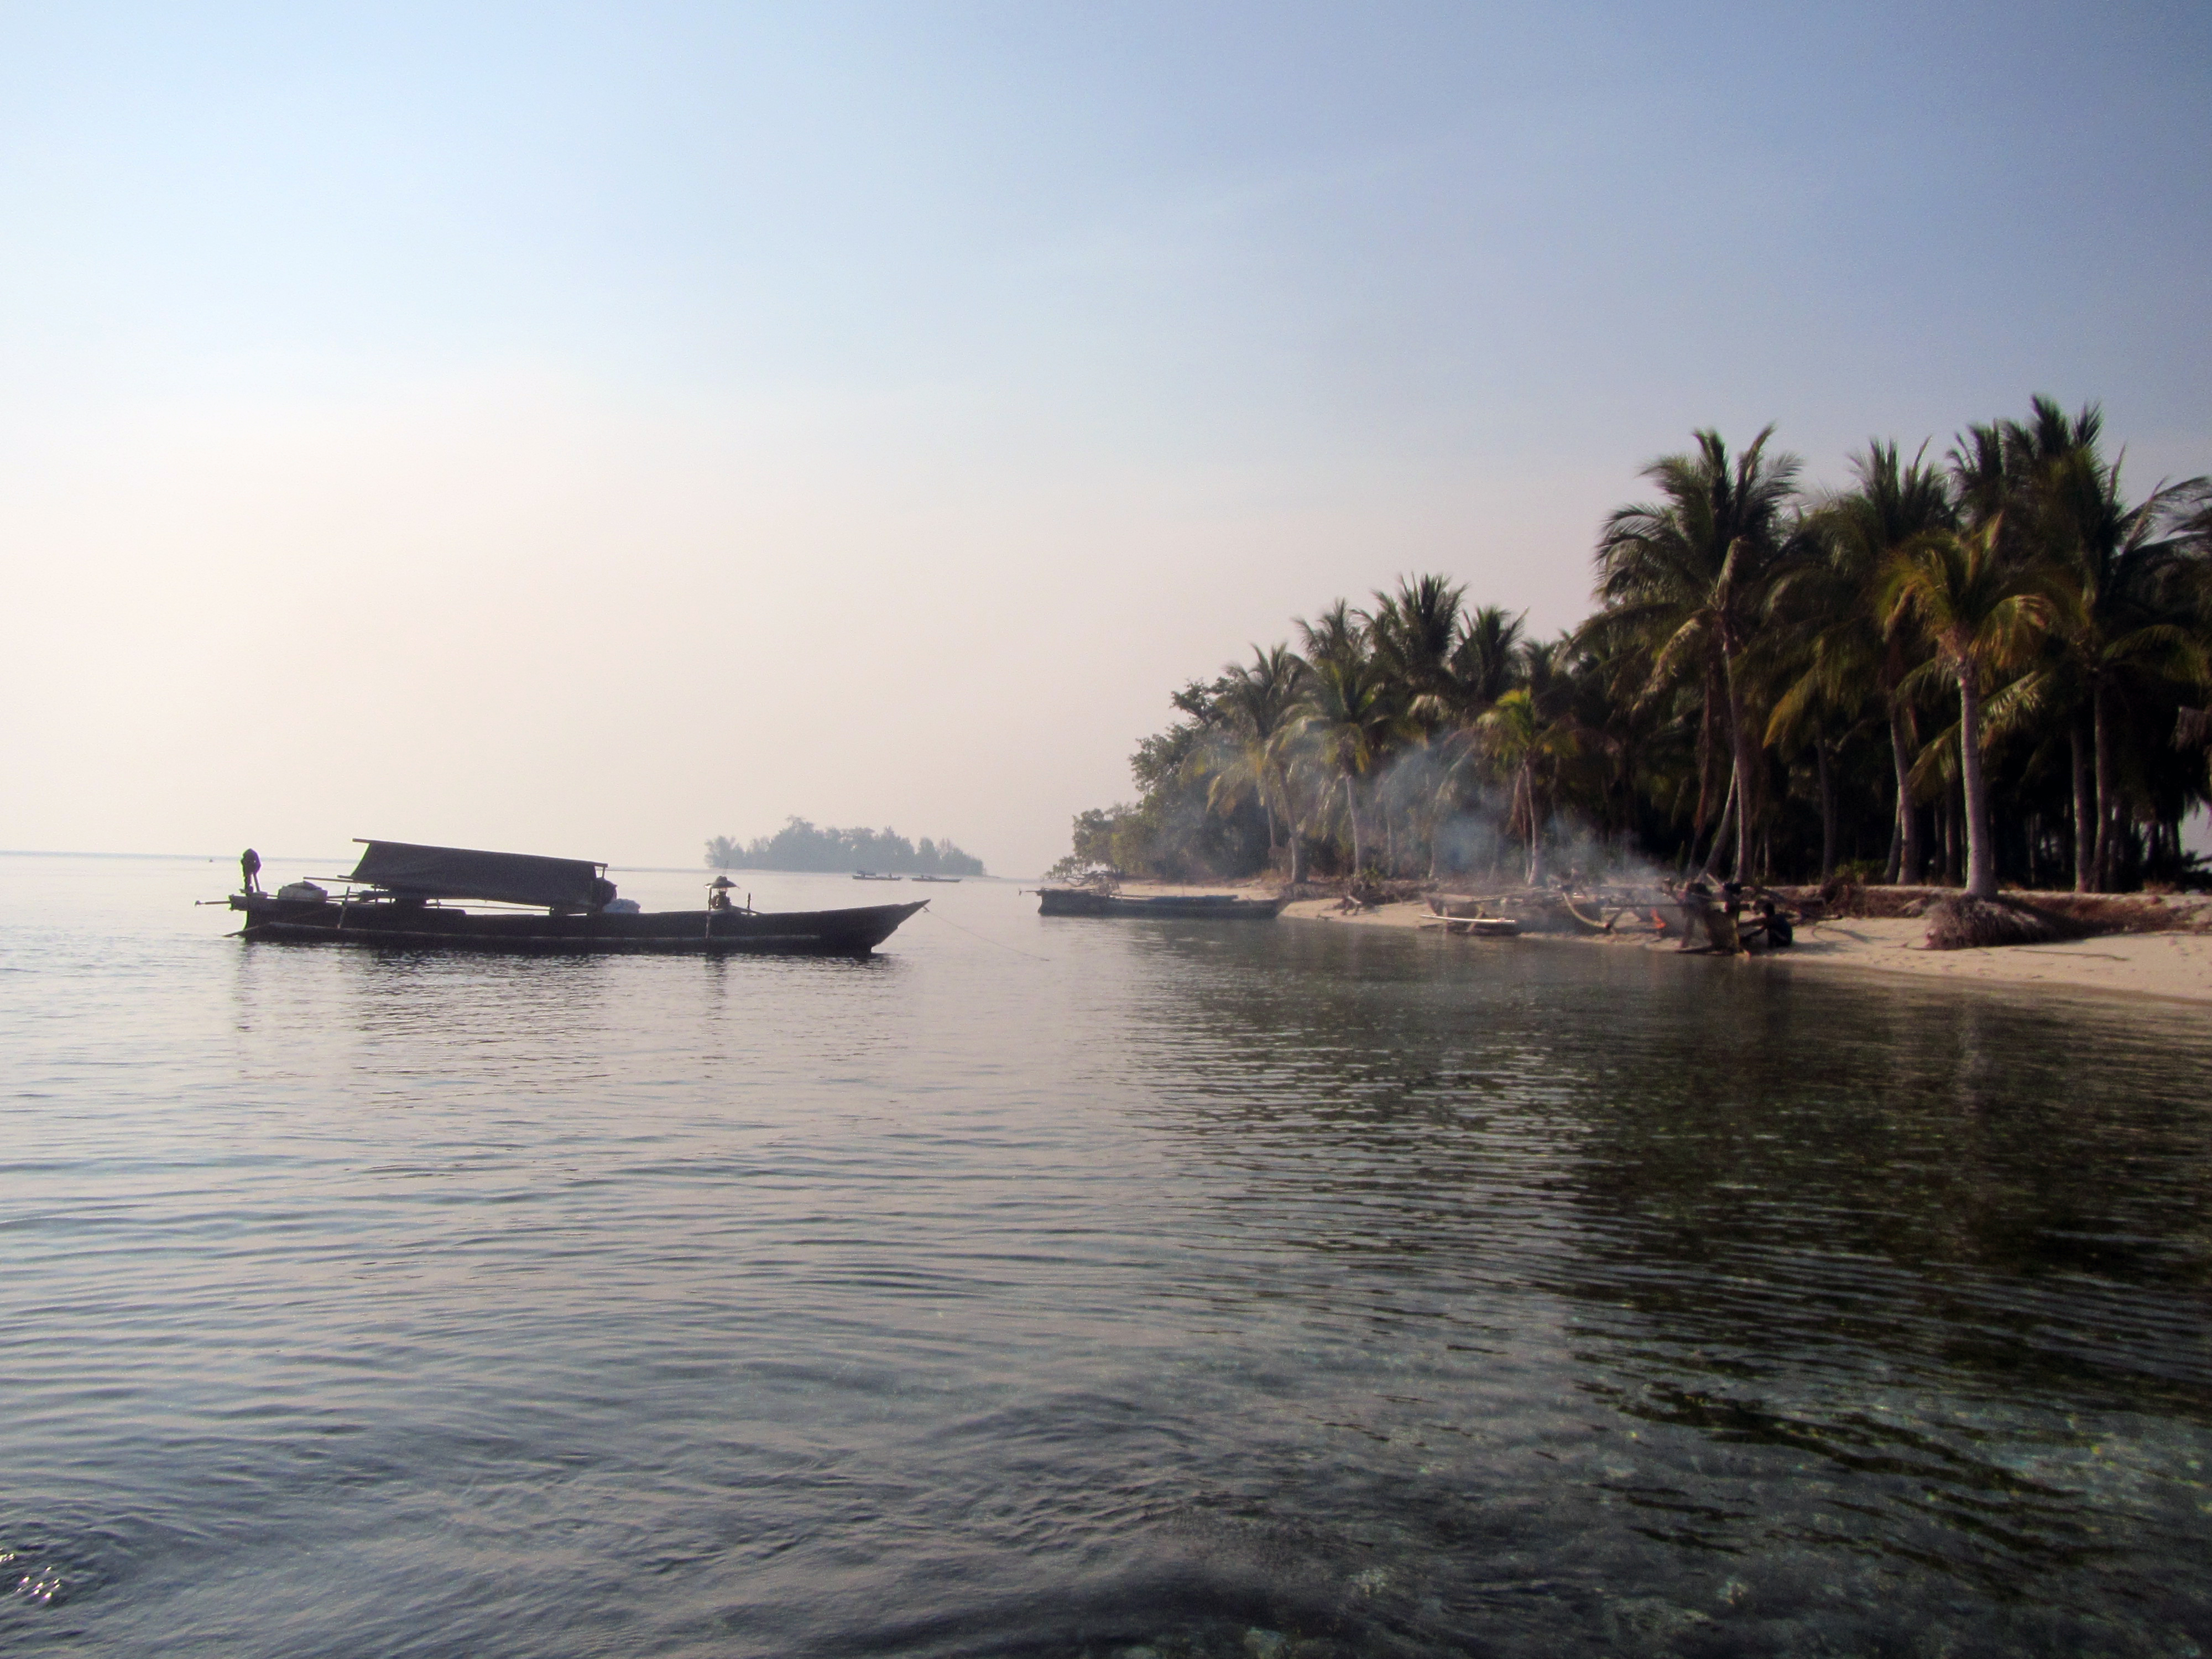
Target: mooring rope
{"x": 985, "y": 938}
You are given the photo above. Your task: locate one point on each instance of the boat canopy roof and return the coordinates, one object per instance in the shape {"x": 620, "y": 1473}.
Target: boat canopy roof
{"x": 401, "y": 867}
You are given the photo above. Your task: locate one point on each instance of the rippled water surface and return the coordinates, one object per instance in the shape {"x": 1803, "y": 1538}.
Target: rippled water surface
{"x": 1067, "y": 1287}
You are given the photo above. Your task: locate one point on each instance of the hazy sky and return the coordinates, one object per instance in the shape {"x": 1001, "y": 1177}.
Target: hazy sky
{"x": 586, "y": 429}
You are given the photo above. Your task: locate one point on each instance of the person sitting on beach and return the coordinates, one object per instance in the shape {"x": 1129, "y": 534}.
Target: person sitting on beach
{"x": 1770, "y": 928}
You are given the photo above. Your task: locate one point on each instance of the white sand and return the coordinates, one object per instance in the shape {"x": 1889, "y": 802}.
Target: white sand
{"x": 2174, "y": 966}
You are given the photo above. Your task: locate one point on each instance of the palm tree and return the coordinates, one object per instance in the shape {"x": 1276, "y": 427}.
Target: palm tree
{"x": 2127, "y": 624}
{"x": 1982, "y": 613}
{"x": 1527, "y": 744}
{"x": 1258, "y": 701}
{"x": 1848, "y": 655}
{"x": 1335, "y": 636}
{"x": 1348, "y": 717}
{"x": 1481, "y": 667}
{"x": 1411, "y": 635}
{"x": 1692, "y": 573}
{"x": 2000, "y": 468}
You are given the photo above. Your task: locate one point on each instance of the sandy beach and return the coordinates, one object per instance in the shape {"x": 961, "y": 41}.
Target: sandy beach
{"x": 2175, "y": 966}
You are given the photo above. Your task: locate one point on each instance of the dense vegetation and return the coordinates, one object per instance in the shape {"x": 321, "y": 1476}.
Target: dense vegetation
{"x": 799, "y": 846}
{"x": 1991, "y": 667}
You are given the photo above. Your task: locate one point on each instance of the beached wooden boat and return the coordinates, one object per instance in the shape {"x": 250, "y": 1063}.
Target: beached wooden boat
{"x": 400, "y": 898}
{"x": 1205, "y": 907}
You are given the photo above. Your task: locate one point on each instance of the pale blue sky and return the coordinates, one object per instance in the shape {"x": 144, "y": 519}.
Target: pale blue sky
{"x": 611, "y": 427}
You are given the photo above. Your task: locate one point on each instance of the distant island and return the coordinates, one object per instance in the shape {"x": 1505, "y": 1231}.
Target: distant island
{"x": 799, "y": 846}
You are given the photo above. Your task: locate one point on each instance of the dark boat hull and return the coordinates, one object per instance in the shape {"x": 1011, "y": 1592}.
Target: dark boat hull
{"x": 381, "y": 924}
{"x": 1076, "y": 902}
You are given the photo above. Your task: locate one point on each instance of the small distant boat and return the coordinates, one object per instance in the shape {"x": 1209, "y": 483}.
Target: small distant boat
{"x": 1201, "y": 907}
{"x": 940, "y": 881}
{"x": 399, "y": 901}
{"x": 867, "y": 875}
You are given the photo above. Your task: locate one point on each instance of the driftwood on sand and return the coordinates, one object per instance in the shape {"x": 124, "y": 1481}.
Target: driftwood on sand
{"x": 1956, "y": 922}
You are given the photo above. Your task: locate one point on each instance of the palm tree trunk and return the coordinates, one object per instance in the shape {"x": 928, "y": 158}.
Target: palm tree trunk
{"x": 1351, "y": 811}
{"x": 1291, "y": 829}
{"x": 1721, "y": 834}
{"x": 1740, "y": 743}
{"x": 1981, "y": 847}
{"x": 2085, "y": 812}
{"x": 1535, "y": 829}
{"x": 2108, "y": 803}
{"x": 1908, "y": 820}
{"x": 1705, "y": 764}
{"x": 1828, "y": 810}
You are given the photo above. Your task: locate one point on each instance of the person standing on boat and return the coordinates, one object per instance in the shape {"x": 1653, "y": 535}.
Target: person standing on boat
{"x": 249, "y": 862}
{"x": 718, "y": 893}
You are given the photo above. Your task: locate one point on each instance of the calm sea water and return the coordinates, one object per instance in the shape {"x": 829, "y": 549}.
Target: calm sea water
{"x": 1071, "y": 1287}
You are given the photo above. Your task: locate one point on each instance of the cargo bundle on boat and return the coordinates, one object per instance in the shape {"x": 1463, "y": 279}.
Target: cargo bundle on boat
{"x": 401, "y": 896}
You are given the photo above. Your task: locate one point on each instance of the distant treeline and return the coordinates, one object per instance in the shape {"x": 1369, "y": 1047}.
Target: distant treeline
{"x": 799, "y": 846}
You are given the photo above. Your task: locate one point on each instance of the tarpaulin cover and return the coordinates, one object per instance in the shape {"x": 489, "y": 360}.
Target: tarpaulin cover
{"x": 460, "y": 872}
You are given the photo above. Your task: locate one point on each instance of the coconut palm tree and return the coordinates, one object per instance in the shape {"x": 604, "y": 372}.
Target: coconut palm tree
{"x": 1849, "y": 657}
{"x": 1335, "y": 636}
{"x": 1258, "y": 701}
{"x": 1482, "y": 665}
{"x": 1348, "y": 717}
{"x": 1984, "y": 614}
{"x": 1411, "y": 635}
{"x": 2000, "y": 469}
{"x": 1693, "y": 572}
{"x": 1527, "y": 744}
{"x": 2127, "y": 627}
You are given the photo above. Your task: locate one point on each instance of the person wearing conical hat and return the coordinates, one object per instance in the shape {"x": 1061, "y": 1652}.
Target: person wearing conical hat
{"x": 718, "y": 893}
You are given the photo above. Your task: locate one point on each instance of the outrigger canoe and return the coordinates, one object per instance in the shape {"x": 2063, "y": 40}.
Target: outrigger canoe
{"x": 400, "y": 897}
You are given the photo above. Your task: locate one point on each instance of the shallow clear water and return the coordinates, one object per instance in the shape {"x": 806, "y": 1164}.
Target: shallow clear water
{"x": 1060, "y": 1287}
